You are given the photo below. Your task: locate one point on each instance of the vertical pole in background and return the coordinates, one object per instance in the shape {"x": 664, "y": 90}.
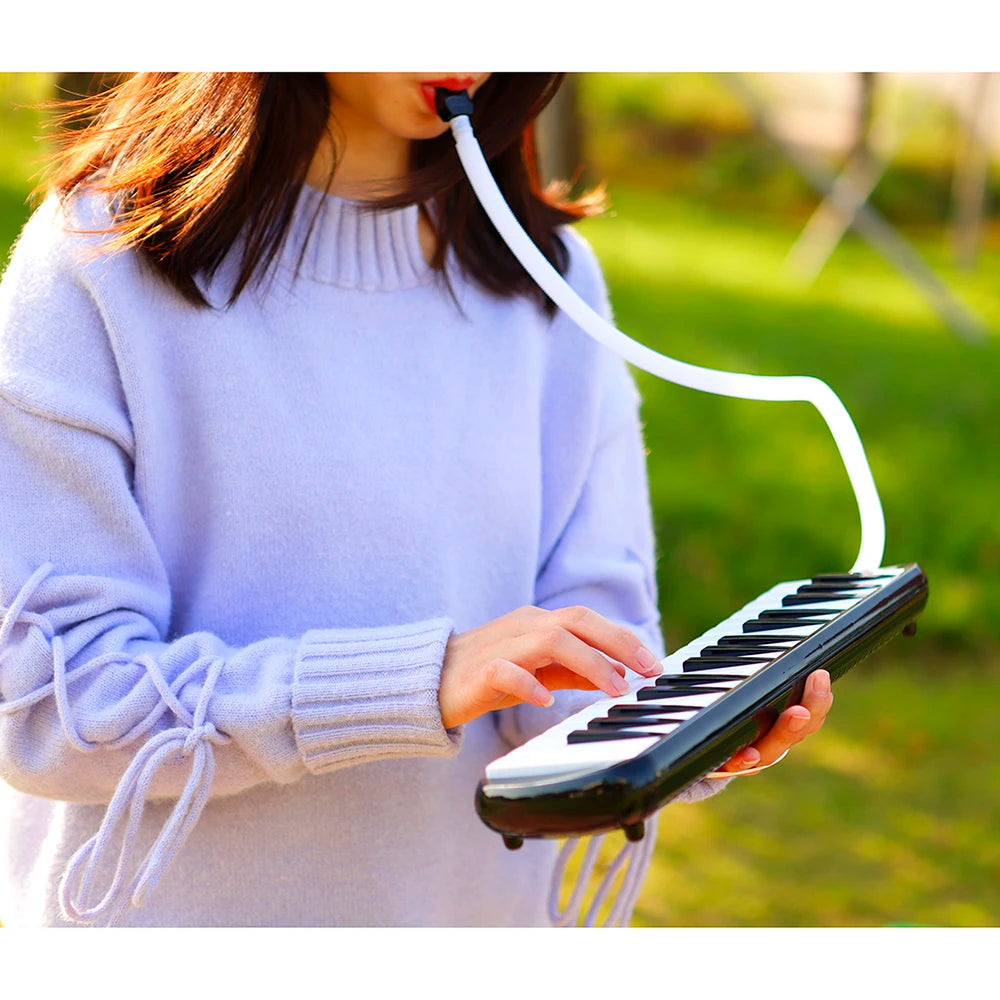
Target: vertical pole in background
{"x": 971, "y": 172}
{"x": 560, "y": 134}
{"x": 863, "y": 115}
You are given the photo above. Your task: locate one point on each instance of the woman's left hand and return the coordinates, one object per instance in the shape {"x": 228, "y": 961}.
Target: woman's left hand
{"x": 791, "y": 727}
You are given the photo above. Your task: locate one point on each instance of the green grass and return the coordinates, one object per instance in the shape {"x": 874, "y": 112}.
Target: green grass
{"x": 749, "y": 493}
{"x": 889, "y": 816}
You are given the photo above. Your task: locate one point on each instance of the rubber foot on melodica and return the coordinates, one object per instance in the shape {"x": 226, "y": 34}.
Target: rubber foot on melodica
{"x": 512, "y": 843}
{"x": 910, "y": 629}
{"x": 635, "y": 831}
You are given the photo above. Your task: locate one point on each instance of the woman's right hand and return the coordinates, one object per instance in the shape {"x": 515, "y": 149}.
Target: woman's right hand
{"x": 528, "y": 653}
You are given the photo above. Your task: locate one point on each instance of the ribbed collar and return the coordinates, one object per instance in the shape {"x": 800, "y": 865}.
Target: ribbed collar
{"x": 353, "y": 248}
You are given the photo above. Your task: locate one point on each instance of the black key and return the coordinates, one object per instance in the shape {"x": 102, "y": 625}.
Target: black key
{"x": 718, "y": 662}
{"x": 830, "y": 588}
{"x": 641, "y": 711}
{"x": 851, "y": 577}
{"x": 753, "y": 640}
{"x": 597, "y": 735}
{"x": 661, "y": 694}
{"x": 793, "y": 613}
{"x": 827, "y": 598}
{"x": 687, "y": 680}
{"x": 749, "y": 650}
{"x": 619, "y": 724}
{"x": 770, "y": 624}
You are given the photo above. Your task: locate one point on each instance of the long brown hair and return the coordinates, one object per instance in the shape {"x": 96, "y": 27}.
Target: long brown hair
{"x": 192, "y": 162}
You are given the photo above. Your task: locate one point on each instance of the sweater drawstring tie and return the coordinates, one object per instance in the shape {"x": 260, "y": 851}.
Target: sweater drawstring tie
{"x": 194, "y": 738}
{"x": 636, "y": 855}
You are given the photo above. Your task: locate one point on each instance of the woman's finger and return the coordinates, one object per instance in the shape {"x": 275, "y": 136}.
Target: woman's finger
{"x": 791, "y": 727}
{"x": 557, "y": 678}
{"x": 818, "y": 697}
{"x": 551, "y": 644}
{"x": 742, "y": 759}
{"x": 612, "y": 640}
{"x": 511, "y": 681}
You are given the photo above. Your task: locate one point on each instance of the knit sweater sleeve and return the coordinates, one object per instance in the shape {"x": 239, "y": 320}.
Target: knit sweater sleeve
{"x": 98, "y": 701}
{"x": 598, "y": 547}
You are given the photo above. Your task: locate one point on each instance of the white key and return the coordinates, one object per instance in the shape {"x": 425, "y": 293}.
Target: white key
{"x": 743, "y": 670}
{"x": 585, "y": 757}
{"x": 785, "y": 633}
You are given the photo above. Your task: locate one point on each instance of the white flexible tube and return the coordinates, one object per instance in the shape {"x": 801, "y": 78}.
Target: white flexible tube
{"x": 798, "y": 388}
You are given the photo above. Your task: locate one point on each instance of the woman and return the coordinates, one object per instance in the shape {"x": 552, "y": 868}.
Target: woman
{"x": 314, "y": 502}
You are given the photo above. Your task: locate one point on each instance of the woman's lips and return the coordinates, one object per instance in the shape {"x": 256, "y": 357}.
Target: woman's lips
{"x": 455, "y": 83}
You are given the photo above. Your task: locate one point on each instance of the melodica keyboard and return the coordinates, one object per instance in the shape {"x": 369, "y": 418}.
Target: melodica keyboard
{"x": 620, "y": 759}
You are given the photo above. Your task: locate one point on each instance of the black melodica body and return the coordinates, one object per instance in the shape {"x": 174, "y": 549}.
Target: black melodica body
{"x": 618, "y": 761}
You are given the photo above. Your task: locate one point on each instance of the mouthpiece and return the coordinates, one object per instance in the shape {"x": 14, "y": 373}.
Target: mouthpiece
{"x": 452, "y": 103}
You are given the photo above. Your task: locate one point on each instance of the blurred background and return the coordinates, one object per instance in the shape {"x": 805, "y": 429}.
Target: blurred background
{"x": 845, "y": 226}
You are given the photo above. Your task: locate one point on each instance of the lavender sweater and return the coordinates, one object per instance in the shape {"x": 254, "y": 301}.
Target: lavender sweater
{"x": 234, "y": 543}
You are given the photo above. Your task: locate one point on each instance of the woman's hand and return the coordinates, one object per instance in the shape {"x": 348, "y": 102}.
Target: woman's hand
{"x": 526, "y": 654}
{"x": 791, "y": 727}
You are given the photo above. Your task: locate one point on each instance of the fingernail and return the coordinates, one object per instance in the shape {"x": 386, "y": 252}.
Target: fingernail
{"x": 619, "y": 685}
{"x": 822, "y": 684}
{"x": 647, "y": 661}
{"x": 797, "y": 723}
{"x": 544, "y": 697}
{"x": 751, "y": 756}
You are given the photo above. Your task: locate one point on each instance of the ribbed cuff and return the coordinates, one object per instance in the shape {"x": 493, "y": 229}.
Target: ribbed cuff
{"x": 368, "y": 694}
{"x": 702, "y": 790}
